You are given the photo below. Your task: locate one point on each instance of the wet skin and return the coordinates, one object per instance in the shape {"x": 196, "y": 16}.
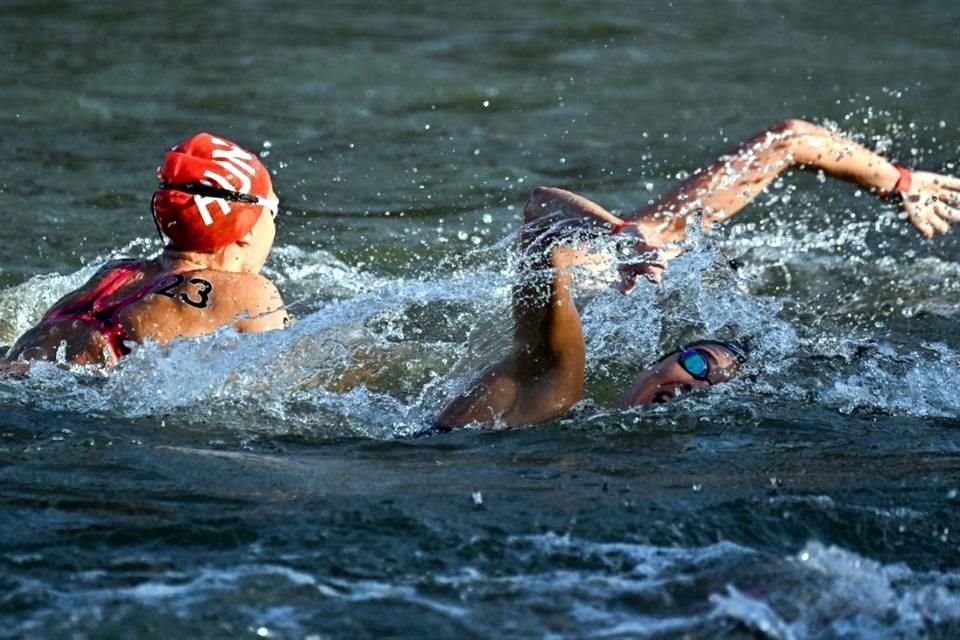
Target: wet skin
{"x": 666, "y": 379}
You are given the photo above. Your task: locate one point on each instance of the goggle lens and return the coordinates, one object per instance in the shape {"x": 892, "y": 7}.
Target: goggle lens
{"x": 695, "y": 363}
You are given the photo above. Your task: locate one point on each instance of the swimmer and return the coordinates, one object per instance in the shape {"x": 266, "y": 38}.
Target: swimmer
{"x": 215, "y": 207}
{"x": 543, "y": 375}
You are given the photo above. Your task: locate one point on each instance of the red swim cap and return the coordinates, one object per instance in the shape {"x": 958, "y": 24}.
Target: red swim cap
{"x": 211, "y": 193}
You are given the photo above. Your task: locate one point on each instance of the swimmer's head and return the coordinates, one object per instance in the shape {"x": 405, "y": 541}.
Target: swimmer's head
{"x": 211, "y": 193}
{"x": 697, "y": 365}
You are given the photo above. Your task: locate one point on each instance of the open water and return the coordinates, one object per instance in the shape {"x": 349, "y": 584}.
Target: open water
{"x": 267, "y": 486}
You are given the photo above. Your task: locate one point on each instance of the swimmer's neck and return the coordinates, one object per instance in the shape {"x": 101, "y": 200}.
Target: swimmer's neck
{"x": 174, "y": 259}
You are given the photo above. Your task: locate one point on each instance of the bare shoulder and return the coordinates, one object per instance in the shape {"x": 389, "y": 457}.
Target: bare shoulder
{"x": 239, "y": 284}
{"x": 252, "y": 299}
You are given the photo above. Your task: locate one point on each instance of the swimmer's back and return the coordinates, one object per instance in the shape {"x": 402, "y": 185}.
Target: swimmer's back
{"x": 193, "y": 303}
{"x": 152, "y": 304}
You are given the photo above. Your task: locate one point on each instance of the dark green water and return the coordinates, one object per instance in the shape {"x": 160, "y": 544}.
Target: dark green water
{"x": 220, "y": 488}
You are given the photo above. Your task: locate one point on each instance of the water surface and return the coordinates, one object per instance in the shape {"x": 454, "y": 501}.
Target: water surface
{"x": 242, "y": 486}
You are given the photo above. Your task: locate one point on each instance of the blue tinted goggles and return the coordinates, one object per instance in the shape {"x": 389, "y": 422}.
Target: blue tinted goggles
{"x": 695, "y": 361}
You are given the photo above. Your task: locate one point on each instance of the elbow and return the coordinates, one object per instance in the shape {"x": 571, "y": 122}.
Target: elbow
{"x": 793, "y": 126}
{"x": 537, "y": 205}
{"x": 790, "y": 138}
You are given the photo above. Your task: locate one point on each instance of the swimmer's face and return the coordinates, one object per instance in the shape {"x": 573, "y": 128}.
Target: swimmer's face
{"x": 668, "y": 378}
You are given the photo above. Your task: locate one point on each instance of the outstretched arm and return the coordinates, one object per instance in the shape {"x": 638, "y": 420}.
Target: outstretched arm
{"x": 932, "y": 201}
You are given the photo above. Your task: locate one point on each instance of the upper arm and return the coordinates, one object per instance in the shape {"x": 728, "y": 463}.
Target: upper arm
{"x": 542, "y": 376}
{"x": 546, "y": 202}
{"x": 503, "y": 394}
{"x": 491, "y": 396}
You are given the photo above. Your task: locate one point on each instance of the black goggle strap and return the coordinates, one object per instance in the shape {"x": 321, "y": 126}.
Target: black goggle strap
{"x": 153, "y": 214}
{"x": 739, "y": 352}
{"x": 209, "y": 191}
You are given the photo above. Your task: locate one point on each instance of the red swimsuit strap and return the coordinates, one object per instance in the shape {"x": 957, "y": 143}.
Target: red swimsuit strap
{"x": 92, "y": 310}
{"x": 115, "y": 279}
{"x": 100, "y": 308}
{"x": 105, "y": 315}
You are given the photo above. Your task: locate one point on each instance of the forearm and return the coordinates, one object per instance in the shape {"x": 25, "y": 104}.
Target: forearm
{"x": 734, "y": 180}
{"x": 543, "y": 374}
{"x": 547, "y": 330}
{"x": 816, "y": 148}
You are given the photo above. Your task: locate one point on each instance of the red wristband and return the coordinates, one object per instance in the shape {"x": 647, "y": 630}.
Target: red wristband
{"x": 617, "y": 228}
{"x": 903, "y": 182}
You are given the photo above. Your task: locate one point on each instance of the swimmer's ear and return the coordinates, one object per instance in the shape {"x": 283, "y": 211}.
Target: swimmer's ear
{"x": 246, "y": 240}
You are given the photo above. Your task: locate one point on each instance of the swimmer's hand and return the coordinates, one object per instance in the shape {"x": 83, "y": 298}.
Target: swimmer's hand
{"x": 932, "y": 202}
{"x": 647, "y": 260}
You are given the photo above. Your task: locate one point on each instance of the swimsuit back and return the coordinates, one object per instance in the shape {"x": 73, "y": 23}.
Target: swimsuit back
{"x": 94, "y": 310}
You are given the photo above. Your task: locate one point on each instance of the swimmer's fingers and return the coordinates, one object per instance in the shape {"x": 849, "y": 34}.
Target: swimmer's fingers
{"x": 651, "y": 267}
{"x": 951, "y": 210}
{"x": 936, "y": 180}
{"x": 915, "y": 214}
{"x": 926, "y": 184}
{"x": 928, "y": 216}
{"x": 931, "y": 202}
{"x": 627, "y": 283}
{"x": 937, "y": 220}
{"x": 948, "y": 205}
{"x": 947, "y": 210}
